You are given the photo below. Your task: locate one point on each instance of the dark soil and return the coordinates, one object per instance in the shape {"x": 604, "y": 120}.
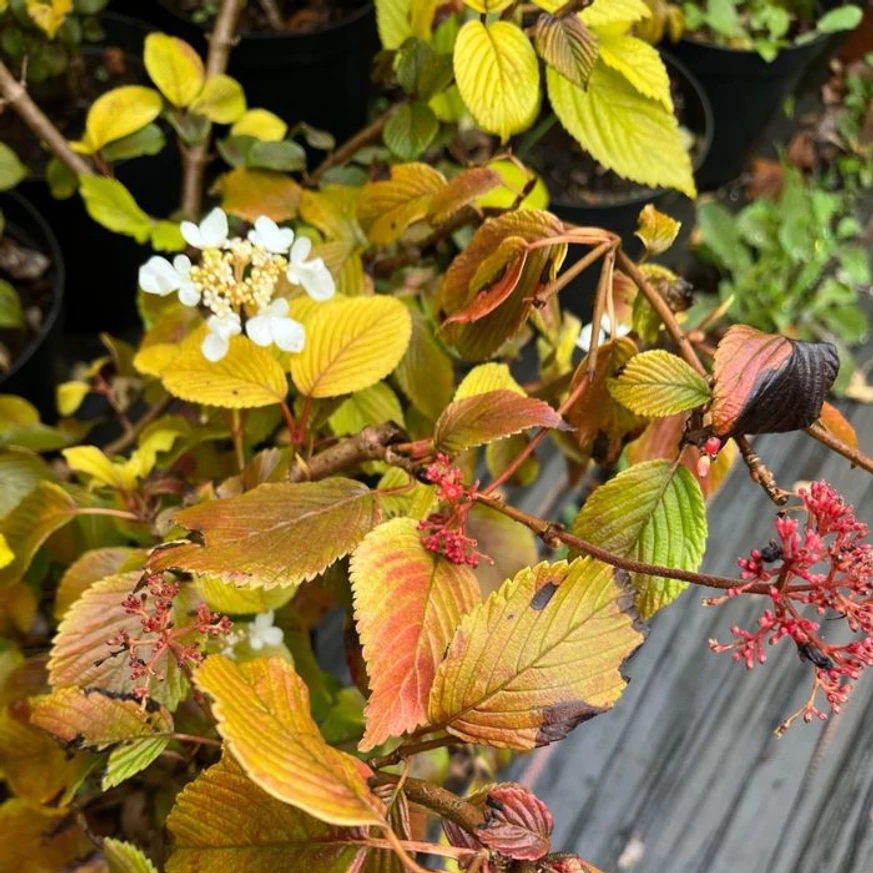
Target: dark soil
{"x": 573, "y": 176}
{"x": 290, "y": 16}
{"x": 66, "y": 99}
{"x": 29, "y": 274}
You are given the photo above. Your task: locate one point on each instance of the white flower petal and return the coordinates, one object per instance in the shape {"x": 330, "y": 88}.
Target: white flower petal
{"x": 278, "y": 308}
{"x": 214, "y": 228}
{"x": 300, "y": 250}
{"x": 289, "y": 335}
{"x": 255, "y": 642}
{"x": 272, "y": 636}
{"x": 214, "y": 347}
{"x": 191, "y": 234}
{"x": 259, "y": 330}
{"x": 189, "y": 294}
{"x": 317, "y": 280}
{"x": 270, "y": 236}
{"x": 182, "y": 265}
{"x": 157, "y": 276}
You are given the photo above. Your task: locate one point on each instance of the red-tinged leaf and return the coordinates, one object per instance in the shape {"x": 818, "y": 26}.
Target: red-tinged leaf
{"x": 512, "y": 254}
{"x": 92, "y": 567}
{"x": 92, "y": 718}
{"x": 520, "y": 824}
{"x": 468, "y": 186}
{"x": 484, "y": 418}
{"x": 563, "y": 863}
{"x": 262, "y": 709}
{"x": 538, "y": 657}
{"x": 833, "y": 421}
{"x": 222, "y": 821}
{"x": 661, "y": 440}
{"x": 602, "y": 424}
{"x": 81, "y": 654}
{"x": 765, "y": 383}
{"x": 277, "y": 534}
{"x": 408, "y": 603}
{"x": 479, "y": 340}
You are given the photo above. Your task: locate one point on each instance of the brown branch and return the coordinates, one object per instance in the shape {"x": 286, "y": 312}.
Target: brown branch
{"x": 127, "y": 439}
{"x": 552, "y": 534}
{"x": 438, "y": 800}
{"x": 363, "y": 137}
{"x": 195, "y": 158}
{"x": 826, "y": 438}
{"x": 371, "y": 444}
{"x": 410, "y": 748}
{"x": 15, "y": 95}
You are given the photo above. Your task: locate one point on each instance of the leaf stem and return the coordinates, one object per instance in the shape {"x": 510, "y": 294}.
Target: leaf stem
{"x": 108, "y": 511}
{"x": 126, "y": 440}
{"x": 408, "y": 749}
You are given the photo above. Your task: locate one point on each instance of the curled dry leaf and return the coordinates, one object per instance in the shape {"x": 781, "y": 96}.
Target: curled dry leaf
{"x": 765, "y": 383}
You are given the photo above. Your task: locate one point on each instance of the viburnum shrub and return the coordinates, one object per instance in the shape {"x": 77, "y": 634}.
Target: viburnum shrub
{"x": 336, "y": 406}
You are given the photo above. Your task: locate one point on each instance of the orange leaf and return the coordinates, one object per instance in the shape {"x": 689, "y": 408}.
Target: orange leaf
{"x": 92, "y": 567}
{"x": 38, "y": 839}
{"x": 262, "y": 709}
{"x": 276, "y": 534}
{"x": 415, "y": 599}
{"x": 248, "y": 194}
{"x": 484, "y": 418}
{"x": 833, "y": 421}
{"x": 467, "y": 186}
{"x": 538, "y": 657}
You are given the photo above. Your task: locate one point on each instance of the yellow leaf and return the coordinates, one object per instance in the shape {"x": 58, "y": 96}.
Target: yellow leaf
{"x": 278, "y": 534}
{"x": 7, "y": 556}
{"x": 222, "y": 100}
{"x": 626, "y": 132}
{"x": 514, "y": 180}
{"x": 498, "y": 75}
{"x": 488, "y": 5}
{"x": 248, "y": 194}
{"x": 91, "y": 567}
{"x": 656, "y": 230}
{"x": 261, "y": 124}
{"x": 126, "y": 857}
{"x": 174, "y": 67}
{"x": 246, "y": 377}
{"x": 351, "y": 344}
{"x": 393, "y": 22}
{"x": 416, "y": 599}
{"x": 91, "y": 462}
{"x": 640, "y": 64}
{"x": 604, "y": 13}
{"x": 425, "y": 374}
{"x": 69, "y": 396}
{"x": 262, "y": 709}
{"x": 334, "y": 211}
{"x": 43, "y": 511}
{"x": 542, "y": 654}
{"x": 485, "y": 378}
{"x": 120, "y": 112}
{"x": 374, "y": 405}
{"x": 227, "y": 598}
{"x": 20, "y": 473}
{"x": 49, "y": 15}
{"x": 387, "y": 208}
{"x": 44, "y": 839}
{"x": 222, "y": 821}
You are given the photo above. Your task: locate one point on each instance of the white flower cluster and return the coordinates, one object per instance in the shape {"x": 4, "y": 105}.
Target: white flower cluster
{"x": 260, "y": 634}
{"x": 237, "y": 277}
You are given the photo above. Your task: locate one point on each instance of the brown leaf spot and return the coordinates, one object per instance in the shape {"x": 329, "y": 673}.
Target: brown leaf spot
{"x": 561, "y": 718}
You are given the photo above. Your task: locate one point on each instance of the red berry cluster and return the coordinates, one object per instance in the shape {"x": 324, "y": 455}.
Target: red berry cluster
{"x": 444, "y": 533}
{"x": 826, "y": 564}
{"x": 152, "y": 602}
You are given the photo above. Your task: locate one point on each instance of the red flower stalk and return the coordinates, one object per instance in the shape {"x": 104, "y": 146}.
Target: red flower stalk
{"x": 445, "y": 533}
{"x": 820, "y": 561}
{"x": 152, "y": 602}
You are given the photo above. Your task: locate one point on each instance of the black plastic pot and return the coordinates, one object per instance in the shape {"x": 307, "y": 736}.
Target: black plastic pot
{"x": 102, "y": 266}
{"x": 322, "y": 78}
{"x": 746, "y": 92}
{"x": 34, "y": 373}
{"x": 622, "y": 216}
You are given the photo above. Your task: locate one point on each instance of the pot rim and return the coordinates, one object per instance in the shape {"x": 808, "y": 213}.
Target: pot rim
{"x": 729, "y": 50}
{"x": 58, "y": 279}
{"x": 651, "y": 193}
{"x": 272, "y": 36}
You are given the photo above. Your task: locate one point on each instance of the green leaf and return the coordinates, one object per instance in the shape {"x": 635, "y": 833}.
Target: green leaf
{"x": 497, "y": 73}
{"x": 149, "y": 140}
{"x": 20, "y": 473}
{"x": 374, "y": 405}
{"x": 629, "y": 133}
{"x": 109, "y": 203}
{"x": 658, "y": 383}
{"x": 846, "y": 17}
{"x": 276, "y": 534}
{"x": 126, "y": 857}
{"x": 567, "y": 46}
{"x": 421, "y": 71}
{"x": 653, "y": 513}
{"x": 12, "y": 171}
{"x": 61, "y": 181}
{"x": 130, "y": 759}
{"x": 286, "y": 156}
{"x": 411, "y": 130}
{"x": 11, "y": 313}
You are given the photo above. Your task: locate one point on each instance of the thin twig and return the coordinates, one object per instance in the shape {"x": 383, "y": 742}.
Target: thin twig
{"x": 126, "y": 440}
{"x": 408, "y": 749}
{"x": 818, "y": 432}
{"x": 195, "y": 158}
{"x": 15, "y": 95}
{"x": 363, "y": 137}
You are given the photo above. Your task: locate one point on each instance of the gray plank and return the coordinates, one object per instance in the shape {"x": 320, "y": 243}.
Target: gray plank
{"x": 685, "y": 775}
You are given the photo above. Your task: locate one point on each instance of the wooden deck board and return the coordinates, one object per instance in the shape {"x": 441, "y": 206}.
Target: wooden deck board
{"x": 685, "y": 775}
